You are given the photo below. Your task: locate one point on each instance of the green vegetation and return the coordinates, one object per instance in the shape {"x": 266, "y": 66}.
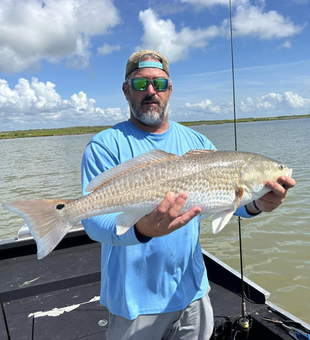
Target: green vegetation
{"x": 243, "y": 120}
{"x": 78, "y": 130}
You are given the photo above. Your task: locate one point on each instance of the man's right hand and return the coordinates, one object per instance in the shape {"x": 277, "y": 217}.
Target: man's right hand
{"x": 166, "y": 217}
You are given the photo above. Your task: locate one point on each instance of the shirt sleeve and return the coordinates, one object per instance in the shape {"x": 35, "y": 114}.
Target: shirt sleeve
{"x": 102, "y": 228}
{"x": 242, "y": 212}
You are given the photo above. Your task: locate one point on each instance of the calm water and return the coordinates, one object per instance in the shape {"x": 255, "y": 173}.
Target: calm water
{"x": 276, "y": 245}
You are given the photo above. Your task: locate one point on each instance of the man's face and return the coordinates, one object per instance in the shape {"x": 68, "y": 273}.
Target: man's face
{"x": 149, "y": 107}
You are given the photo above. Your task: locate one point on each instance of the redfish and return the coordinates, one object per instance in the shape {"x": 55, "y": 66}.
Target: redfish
{"x": 217, "y": 181}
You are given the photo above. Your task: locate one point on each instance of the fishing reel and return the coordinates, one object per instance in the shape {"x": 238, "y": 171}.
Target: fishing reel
{"x": 227, "y": 329}
{"x": 241, "y": 328}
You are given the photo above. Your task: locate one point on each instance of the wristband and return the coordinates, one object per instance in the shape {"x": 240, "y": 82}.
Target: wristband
{"x": 140, "y": 237}
{"x": 256, "y": 207}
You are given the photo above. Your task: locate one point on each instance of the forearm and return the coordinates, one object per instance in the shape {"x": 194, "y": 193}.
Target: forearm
{"x": 252, "y": 209}
{"x": 103, "y": 229}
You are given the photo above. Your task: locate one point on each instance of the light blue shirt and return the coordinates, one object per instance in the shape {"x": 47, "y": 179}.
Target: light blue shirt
{"x": 166, "y": 273}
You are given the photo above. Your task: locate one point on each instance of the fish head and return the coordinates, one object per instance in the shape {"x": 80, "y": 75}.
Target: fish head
{"x": 258, "y": 170}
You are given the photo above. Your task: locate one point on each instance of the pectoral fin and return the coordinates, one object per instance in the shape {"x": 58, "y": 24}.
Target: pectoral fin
{"x": 125, "y": 221}
{"x": 220, "y": 220}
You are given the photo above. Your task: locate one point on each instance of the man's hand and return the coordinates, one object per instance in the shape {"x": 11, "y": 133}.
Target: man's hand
{"x": 276, "y": 196}
{"x": 166, "y": 217}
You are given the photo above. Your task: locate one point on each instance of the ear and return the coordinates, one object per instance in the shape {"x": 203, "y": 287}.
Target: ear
{"x": 125, "y": 90}
{"x": 170, "y": 89}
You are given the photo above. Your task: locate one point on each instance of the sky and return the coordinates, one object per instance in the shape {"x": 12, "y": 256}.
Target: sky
{"x": 62, "y": 62}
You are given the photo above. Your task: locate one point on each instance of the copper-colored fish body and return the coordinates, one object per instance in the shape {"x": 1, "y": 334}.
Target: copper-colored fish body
{"x": 217, "y": 181}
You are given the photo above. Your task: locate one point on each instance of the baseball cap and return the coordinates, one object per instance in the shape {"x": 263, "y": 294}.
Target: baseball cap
{"x": 134, "y": 62}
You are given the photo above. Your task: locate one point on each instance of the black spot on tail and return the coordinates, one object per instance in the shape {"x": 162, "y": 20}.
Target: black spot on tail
{"x": 60, "y": 206}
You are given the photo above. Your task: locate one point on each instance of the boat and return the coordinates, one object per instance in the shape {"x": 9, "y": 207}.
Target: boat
{"x": 58, "y": 297}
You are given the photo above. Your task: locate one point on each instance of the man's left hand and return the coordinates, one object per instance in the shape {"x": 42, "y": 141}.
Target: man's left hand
{"x": 276, "y": 196}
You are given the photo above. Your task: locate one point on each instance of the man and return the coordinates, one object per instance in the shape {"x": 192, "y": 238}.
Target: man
{"x": 154, "y": 282}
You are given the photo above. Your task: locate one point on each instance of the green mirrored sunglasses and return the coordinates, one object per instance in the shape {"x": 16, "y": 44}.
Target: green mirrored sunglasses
{"x": 141, "y": 84}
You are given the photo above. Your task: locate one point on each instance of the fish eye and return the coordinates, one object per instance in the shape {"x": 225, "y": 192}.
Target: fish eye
{"x": 281, "y": 167}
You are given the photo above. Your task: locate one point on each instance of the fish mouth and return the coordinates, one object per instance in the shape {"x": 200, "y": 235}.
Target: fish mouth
{"x": 288, "y": 174}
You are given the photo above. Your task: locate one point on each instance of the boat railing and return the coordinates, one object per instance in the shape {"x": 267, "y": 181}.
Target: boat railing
{"x": 24, "y": 234}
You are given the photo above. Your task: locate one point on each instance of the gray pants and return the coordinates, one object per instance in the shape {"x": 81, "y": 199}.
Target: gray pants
{"x": 195, "y": 322}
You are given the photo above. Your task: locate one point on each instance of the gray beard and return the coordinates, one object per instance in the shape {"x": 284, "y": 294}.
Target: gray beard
{"x": 151, "y": 117}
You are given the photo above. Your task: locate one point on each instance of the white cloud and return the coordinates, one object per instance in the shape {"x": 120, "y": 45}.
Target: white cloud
{"x": 251, "y": 20}
{"x": 272, "y": 104}
{"x": 248, "y": 21}
{"x": 203, "y": 110}
{"x": 205, "y": 106}
{"x": 32, "y": 30}
{"x": 37, "y": 103}
{"x": 210, "y": 3}
{"x": 295, "y": 101}
{"x": 287, "y": 44}
{"x": 161, "y": 35}
{"x": 107, "y": 49}
{"x": 254, "y": 22}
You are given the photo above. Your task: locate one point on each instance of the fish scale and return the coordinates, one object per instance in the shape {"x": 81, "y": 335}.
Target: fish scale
{"x": 216, "y": 181}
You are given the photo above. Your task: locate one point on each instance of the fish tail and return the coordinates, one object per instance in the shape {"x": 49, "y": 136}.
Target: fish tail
{"x": 46, "y": 220}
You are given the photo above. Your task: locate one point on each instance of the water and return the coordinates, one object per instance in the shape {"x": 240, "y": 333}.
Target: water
{"x": 276, "y": 245}
{"x": 45, "y": 167}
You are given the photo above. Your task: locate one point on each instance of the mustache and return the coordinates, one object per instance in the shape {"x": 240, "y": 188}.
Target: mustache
{"x": 148, "y": 98}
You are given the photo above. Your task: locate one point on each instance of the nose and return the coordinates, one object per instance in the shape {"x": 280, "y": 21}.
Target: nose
{"x": 150, "y": 89}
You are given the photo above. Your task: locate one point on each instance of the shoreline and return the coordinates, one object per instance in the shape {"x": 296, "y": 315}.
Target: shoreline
{"x": 79, "y": 130}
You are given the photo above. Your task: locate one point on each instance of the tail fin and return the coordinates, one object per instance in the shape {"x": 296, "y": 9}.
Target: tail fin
{"x": 46, "y": 220}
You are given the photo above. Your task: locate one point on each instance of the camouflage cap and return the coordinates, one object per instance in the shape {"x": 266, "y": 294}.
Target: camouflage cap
{"x": 135, "y": 62}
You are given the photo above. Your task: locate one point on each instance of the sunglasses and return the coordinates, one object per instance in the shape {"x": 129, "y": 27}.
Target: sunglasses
{"x": 141, "y": 84}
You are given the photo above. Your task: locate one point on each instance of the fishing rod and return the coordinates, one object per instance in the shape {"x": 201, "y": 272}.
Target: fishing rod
{"x": 244, "y": 322}
{"x": 5, "y": 319}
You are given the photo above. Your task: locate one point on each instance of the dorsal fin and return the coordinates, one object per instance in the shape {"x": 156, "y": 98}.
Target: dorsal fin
{"x": 199, "y": 151}
{"x": 149, "y": 157}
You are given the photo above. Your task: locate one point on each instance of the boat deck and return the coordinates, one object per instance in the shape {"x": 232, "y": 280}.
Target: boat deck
{"x": 58, "y": 297}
